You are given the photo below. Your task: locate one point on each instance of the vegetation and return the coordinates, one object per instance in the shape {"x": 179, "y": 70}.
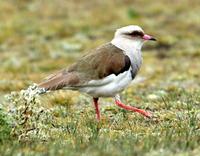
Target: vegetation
{"x": 40, "y": 37}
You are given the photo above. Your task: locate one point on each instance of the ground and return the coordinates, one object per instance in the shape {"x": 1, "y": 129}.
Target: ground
{"x": 38, "y": 38}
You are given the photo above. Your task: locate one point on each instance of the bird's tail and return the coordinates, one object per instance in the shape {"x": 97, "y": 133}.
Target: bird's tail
{"x": 43, "y": 86}
{"x": 51, "y": 85}
{"x": 54, "y": 81}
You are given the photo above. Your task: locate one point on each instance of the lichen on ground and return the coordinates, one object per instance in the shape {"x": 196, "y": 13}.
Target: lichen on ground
{"x": 30, "y": 120}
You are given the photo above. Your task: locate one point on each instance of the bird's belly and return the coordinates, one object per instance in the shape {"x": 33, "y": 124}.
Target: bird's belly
{"x": 109, "y": 86}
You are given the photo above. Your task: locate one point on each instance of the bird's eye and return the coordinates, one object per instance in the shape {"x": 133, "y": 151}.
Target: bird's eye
{"x": 136, "y": 34}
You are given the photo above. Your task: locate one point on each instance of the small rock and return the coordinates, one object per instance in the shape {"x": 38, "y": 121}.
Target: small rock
{"x": 153, "y": 97}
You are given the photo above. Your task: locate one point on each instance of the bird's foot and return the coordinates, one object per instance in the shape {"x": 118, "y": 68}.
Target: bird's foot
{"x": 134, "y": 109}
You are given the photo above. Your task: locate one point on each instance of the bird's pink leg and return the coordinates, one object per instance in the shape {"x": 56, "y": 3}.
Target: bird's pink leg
{"x": 95, "y": 100}
{"x": 131, "y": 108}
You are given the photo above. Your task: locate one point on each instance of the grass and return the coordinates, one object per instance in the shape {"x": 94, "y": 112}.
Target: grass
{"x": 5, "y": 128}
{"x": 40, "y": 37}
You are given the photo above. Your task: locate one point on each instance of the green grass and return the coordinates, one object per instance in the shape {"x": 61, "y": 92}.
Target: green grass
{"x": 5, "y": 127}
{"x": 40, "y": 37}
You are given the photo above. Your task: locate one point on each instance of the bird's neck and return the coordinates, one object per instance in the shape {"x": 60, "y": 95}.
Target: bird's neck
{"x": 130, "y": 48}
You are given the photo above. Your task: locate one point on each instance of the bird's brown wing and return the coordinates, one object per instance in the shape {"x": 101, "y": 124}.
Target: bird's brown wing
{"x": 100, "y": 63}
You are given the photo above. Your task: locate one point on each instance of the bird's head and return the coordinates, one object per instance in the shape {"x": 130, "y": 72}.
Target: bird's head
{"x": 133, "y": 35}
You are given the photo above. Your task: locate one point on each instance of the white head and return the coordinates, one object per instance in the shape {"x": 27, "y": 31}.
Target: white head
{"x": 130, "y": 37}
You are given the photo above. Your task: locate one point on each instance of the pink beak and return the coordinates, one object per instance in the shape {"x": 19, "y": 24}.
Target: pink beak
{"x": 148, "y": 37}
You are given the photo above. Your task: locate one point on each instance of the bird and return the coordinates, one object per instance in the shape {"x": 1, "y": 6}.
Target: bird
{"x": 106, "y": 70}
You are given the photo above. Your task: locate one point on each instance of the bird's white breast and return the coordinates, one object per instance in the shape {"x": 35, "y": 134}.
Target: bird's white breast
{"x": 108, "y": 86}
